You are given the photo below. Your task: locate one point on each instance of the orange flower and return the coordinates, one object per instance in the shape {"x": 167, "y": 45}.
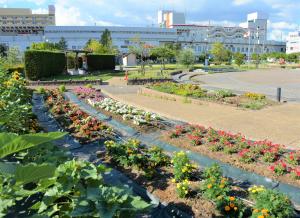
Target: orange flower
{"x": 209, "y": 186}
{"x": 264, "y": 211}
{"x": 261, "y": 216}
{"x": 227, "y": 208}
{"x": 231, "y": 205}
{"x": 231, "y": 198}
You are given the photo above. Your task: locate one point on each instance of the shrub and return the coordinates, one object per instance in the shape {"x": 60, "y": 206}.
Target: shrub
{"x": 43, "y": 64}
{"x": 41, "y": 90}
{"x": 230, "y": 206}
{"x": 62, "y": 88}
{"x": 71, "y": 61}
{"x": 224, "y": 93}
{"x": 273, "y": 204}
{"x": 90, "y": 86}
{"x": 98, "y": 62}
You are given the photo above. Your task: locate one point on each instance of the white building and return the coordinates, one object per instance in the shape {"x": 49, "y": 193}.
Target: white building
{"x": 23, "y": 21}
{"x": 247, "y": 40}
{"x": 293, "y": 43}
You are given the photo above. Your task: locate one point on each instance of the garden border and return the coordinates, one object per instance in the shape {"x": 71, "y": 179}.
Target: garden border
{"x": 69, "y": 82}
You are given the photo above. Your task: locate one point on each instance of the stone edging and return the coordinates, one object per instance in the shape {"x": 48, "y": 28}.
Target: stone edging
{"x": 66, "y": 82}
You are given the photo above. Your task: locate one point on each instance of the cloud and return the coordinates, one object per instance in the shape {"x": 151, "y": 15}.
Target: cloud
{"x": 66, "y": 15}
{"x": 241, "y": 2}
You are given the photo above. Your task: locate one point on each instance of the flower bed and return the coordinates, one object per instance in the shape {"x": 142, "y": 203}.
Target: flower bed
{"x": 119, "y": 111}
{"x": 83, "y": 127}
{"x": 179, "y": 183}
{"x": 262, "y": 157}
{"x": 253, "y": 101}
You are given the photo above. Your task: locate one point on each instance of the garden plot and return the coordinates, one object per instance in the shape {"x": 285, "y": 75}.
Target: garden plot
{"x": 136, "y": 118}
{"x": 262, "y": 157}
{"x": 253, "y": 101}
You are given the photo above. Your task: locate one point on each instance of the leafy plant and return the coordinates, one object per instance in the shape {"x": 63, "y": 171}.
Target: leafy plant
{"x": 182, "y": 166}
{"x": 62, "y": 88}
{"x": 272, "y": 203}
{"x": 182, "y": 188}
{"x": 230, "y": 206}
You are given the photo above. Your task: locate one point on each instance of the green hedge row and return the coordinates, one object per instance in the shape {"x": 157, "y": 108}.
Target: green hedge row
{"x": 42, "y": 64}
{"x": 97, "y": 62}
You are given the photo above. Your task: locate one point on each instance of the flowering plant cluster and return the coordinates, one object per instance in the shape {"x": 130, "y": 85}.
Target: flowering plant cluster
{"x": 133, "y": 154}
{"x": 15, "y": 104}
{"x": 138, "y": 117}
{"x": 183, "y": 169}
{"x": 255, "y": 96}
{"x": 279, "y": 160}
{"x": 230, "y": 206}
{"x": 87, "y": 92}
{"x": 82, "y": 126}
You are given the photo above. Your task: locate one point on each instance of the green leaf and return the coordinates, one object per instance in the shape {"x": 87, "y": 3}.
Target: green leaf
{"x": 11, "y": 143}
{"x": 33, "y": 172}
{"x": 8, "y": 168}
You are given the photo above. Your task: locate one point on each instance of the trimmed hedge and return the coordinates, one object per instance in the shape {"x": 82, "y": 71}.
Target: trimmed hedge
{"x": 97, "y": 62}
{"x": 42, "y": 64}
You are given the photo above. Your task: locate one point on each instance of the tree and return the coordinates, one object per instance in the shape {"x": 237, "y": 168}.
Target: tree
{"x": 239, "y": 58}
{"x": 44, "y": 46}
{"x": 256, "y": 59}
{"x": 106, "y": 39}
{"x": 186, "y": 57}
{"x": 62, "y": 44}
{"x": 141, "y": 50}
{"x": 163, "y": 53}
{"x": 219, "y": 53}
{"x": 96, "y": 47}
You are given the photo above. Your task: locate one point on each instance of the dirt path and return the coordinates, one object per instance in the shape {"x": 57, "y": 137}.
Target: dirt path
{"x": 280, "y": 124}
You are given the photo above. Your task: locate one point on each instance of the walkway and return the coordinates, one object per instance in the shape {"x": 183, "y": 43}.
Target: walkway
{"x": 280, "y": 124}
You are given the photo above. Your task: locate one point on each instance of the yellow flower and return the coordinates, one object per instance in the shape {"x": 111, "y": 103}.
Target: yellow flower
{"x": 209, "y": 186}
{"x": 221, "y": 186}
{"x": 231, "y": 205}
{"x": 186, "y": 192}
{"x": 231, "y": 198}
{"x": 174, "y": 180}
{"x": 178, "y": 185}
{"x": 261, "y": 216}
{"x": 255, "y": 211}
{"x": 253, "y": 191}
{"x": 264, "y": 211}
{"x": 227, "y": 208}
{"x": 220, "y": 197}
{"x": 235, "y": 208}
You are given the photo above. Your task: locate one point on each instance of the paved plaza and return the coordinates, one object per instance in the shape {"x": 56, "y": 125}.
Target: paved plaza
{"x": 263, "y": 81}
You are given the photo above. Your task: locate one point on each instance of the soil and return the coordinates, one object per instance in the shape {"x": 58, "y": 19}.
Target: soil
{"x": 163, "y": 188}
{"x": 257, "y": 167}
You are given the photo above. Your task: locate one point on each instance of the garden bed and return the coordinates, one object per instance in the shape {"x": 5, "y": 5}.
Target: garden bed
{"x": 195, "y": 94}
{"x": 131, "y": 116}
{"x": 147, "y": 81}
{"x": 263, "y": 157}
{"x": 69, "y": 82}
{"x": 80, "y": 125}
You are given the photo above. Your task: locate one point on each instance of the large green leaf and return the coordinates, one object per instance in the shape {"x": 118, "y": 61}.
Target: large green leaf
{"x": 11, "y": 143}
{"x": 32, "y": 172}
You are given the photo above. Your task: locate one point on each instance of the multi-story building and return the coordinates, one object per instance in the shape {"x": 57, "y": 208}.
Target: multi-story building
{"x": 293, "y": 43}
{"x": 16, "y": 21}
{"x": 247, "y": 40}
{"x": 166, "y": 19}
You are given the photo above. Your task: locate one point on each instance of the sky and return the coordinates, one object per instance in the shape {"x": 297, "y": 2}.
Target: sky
{"x": 284, "y": 15}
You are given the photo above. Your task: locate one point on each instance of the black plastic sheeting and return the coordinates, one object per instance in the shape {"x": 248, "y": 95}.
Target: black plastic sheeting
{"x": 88, "y": 153}
{"x": 233, "y": 172}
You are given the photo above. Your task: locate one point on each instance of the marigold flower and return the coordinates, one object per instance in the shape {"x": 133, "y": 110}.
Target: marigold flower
{"x": 209, "y": 186}
{"x": 261, "y": 216}
{"x": 235, "y": 208}
{"x": 231, "y": 205}
{"x": 227, "y": 208}
{"x": 264, "y": 210}
{"x": 231, "y": 198}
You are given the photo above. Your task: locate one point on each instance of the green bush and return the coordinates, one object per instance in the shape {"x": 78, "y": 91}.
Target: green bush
{"x": 62, "y": 88}
{"x": 97, "y": 62}
{"x": 41, "y": 90}
{"x": 71, "y": 61}
{"x": 43, "y": 64}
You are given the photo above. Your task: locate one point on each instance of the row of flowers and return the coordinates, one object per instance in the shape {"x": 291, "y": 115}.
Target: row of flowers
{"x": 82, "y": 126}
{"x": 275, "y": 156}
{"x": 137, "y": 116}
